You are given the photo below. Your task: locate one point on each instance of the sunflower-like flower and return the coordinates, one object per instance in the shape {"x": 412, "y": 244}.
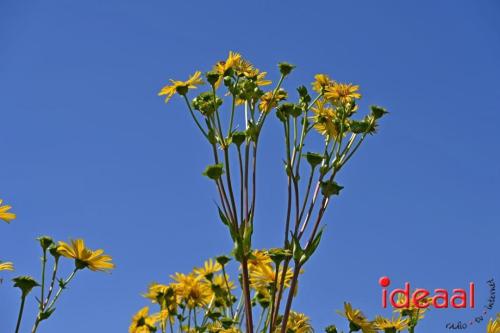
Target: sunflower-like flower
{"x": 192, "y": 290}
{"x": 357, "y": 320}
{"x": 270, "y": 100}
{"x": 493, "y": 325}
{"x": 5, "y": 215}
{"x": 241, "y": 67}
{"x": 95, "y": 260}
{"x": 392, "y": 325}
{"x": 6, "y": 266}
{"x": 181, "y": 87}
{"x": 297, "y": 323}
{"x": 342, "y": 93}
{"x": 326, "y": 120}
{"x": 142, "y": 322}
{"x": 262, "y": 277}
{"x": 321, "y": 81}
{"x": 210, "y": 267}
{"x": 412, "y": 310}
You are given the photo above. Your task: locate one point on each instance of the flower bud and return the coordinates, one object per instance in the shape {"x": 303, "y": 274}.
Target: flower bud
{"x": 25, "y": 283}
{"x": 377, "y": 111}
{"x": 314, "y": 159}
{"x": 45, "y": 242}
{"x": 285, "y": 68}
{"x": 214, "y": 171}
{"x": 212, "y": 77}
{"x": 329, "y": 188}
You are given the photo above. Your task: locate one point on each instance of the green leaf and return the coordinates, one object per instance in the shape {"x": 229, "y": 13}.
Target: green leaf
{"x": 214, "y": 171}
{"x": 314, "y": 245}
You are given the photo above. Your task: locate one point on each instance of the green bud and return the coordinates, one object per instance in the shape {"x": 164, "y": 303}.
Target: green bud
{"x": 212, "y": 77}
{"x": 214, "y": 171}
{"x": 378, "y": 111}
{"x": 278, "y": 255}
{"x": 53, "y": 251}
{"x": 45, "y": 242}
{"x": 354, "y": 327}
{"x": 329, "y": 188}
{"x": 285, "y": 68}
{"x": 228, "y": 81}
{"x": 238, "y": 138}
{"x": 223, "y": 260}
{"x": 314, "y": 159}
{"x": 25, "y": 283}
{"x": 331, "y": 329}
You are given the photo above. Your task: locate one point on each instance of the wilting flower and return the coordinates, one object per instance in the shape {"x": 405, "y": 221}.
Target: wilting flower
{"x": 5, "y": 215}
{"x": 494, "y": 325}
{"x": 192, "y": 290}
{"x": 84, "y": 257}
{"x": 342, "y": 93}
{"x": 6, "y": 266}
{"x": 321, "y": 81}
{"x": 391, "y": 325}
{"x": 269, "y": 101}
{"x": 181, "y": 87}
{"x": 142, "y": 322}
{"x": 297, "y": 323}
{"x": 357, "y": 320}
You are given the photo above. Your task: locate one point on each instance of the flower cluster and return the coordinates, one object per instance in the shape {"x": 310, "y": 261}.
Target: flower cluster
{"x": 231, "y": 122}
{"x": 52, "y": 287}
{"x": 203, "y": 300}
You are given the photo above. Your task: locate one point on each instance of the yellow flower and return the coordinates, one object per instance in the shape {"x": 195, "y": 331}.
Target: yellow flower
{"x": 84, "y": 257}
{"x": 397, "y": 324}
{"x": 357, "y": 319}
{"x": 5, "y": 215}
{"x": 6, "y": 266}
{"x": 297, "y": 323}
{"x": 181, "y": 87}
{"x": 241, "y": 67}
{"x": 209, "y": 268}
{"x": 412, "y": 310}
{"x": 493, "y": 325}
{"x": 267, "y": 101}
{"x": 326, "y": 121}
{"x": 216, "y": 327}
{"x": 321, "y": 81}
{"x": 262, "y": 272}
{"x": 142, "y": 322}
{"x": 192, "y": 290}
{"x": 342, "y": 93}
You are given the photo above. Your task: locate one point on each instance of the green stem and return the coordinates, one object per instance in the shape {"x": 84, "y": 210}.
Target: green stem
{"x": 230, "y": 301}
{"x": 194, "y": 117}
{"x": 65, "y": 284}
{"x": 20, "y": 315}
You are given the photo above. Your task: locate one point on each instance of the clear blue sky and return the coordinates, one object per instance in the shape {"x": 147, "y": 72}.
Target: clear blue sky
{"x": 88, "y": 149}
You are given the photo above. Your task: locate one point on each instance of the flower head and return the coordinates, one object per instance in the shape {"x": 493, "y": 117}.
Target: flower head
{"x": 84, "y": 257}
{"x": 210, "y": 267}
{"x": 493, "y": 325}
{"x": 5, "y": 215}
{"x": 142, "y": 322}
{"x": 342, "y": 93}
{"x": 357, "y": 320}
{"x": 321, "y": 81}
{"x": 298, "y": 323}
{"x": 6, "y": 266}
{"x": 192, "y": 290}
{"x": 181, "y": 87}
{"x": 391, "y": 325}
{"x": 25, "y": 283}
{"x": 270, "y": 100}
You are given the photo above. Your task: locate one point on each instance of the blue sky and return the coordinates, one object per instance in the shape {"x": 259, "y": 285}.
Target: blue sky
{"x": 89, "y": 150}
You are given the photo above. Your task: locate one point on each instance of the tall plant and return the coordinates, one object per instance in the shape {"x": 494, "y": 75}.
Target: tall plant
{"x": 233, "y": 135}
